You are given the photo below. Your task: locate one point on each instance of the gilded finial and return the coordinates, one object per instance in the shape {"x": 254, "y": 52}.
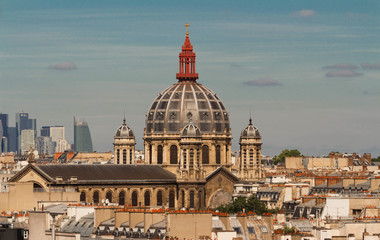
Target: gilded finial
{"x": 187, "y": 28}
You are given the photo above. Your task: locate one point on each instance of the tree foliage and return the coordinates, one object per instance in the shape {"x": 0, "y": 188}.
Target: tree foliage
{"x": 288, "y": 230}
{"x": 252, "y": 204}
{"x": 376, "y": 159}
{"x": 286, "y": 153}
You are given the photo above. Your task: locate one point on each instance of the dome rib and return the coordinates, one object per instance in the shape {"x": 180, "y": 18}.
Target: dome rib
{"x": 196, "y": 102}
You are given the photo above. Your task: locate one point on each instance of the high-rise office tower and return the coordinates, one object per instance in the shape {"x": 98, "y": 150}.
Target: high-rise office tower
{"x": 4, "y": 123}
{"x": 1, "y": 136}
{"x": 12, "y": 139}
{"x": 57, "y": 134}
{"x": 45, "y": 145}
{"x": 82, "y": 136}
{"x": 27, "y": 140}
{"x": 23, "y": 122}
{"x": 45, "y": 131}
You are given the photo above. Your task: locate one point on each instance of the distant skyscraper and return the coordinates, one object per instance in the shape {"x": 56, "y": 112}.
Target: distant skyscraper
{"x": 23, "y": 122}
{"x": 45, "y": 145}
{"x": 45, "y": 131}
{"x": 4, "y": 123}
{"x": 27, "y": 140}
{"x": 1, "y": 136}
{"x": 57, "y": 134}
{"x": 12, "y": 139}
{"x": 82, "y": 136}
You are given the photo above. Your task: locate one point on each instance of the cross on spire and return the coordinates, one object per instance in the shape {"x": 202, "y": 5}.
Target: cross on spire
{"x": 187, "y": 25}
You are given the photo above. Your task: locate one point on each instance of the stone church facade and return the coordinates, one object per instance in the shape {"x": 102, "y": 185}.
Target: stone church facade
{"x": 187, "y": 141}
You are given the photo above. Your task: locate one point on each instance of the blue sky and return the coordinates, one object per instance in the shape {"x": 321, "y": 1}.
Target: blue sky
{"x": 308, "y": 71}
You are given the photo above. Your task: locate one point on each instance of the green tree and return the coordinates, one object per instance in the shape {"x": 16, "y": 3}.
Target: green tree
{"x": 376, "y": 159}
{"x": 286, "y": 153}
{"x": 288, "y": 230}
{"x": 252, "y": 204}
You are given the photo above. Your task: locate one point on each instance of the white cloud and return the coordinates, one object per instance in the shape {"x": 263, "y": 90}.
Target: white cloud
{"x": 370, "y": 66}
{"x": 63, "y": 66}
{"x": 262, "y": 82}
{"x": 341, "y": 66}
{"x": 304, "y": 13}
{"x": 343, "y": 73}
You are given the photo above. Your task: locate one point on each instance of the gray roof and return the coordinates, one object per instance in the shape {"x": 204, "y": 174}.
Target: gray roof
{"x": 57, "y": 208}
{"x": 302, "y": 225}
{"x": 107, "y": 172}
{"x": 108, "y": 222}
{"x": 159, "y": 225}
{"x": 84, "y": 226}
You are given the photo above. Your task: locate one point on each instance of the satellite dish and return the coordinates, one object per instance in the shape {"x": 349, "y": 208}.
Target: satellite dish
{"x": 103, "y": 201}
{"x": 107, "y": 201}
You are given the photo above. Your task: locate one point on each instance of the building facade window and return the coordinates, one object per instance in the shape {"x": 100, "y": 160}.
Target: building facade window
{"x": 95, "y": 197}
{"x": 217, "y": 154}
{"x": 205, "y": 155}
{"x": 83, "y": 196}
{"x": 183, "y": 198}
{"x": 191, "y": 199}
{"x": 191, "y": 160}
{"x": 122, "y": 198}
{"x": 109, "y": 196}
{"x": 171, "y": 199}
{"x": 159, "y": 198}
{"x": 147, "y": 198}
{"x": 124, "y": 156}
{"x": 118, "y": 156}
{"x": 159, "y": 154}
{"x": 173, "y": 154}
{"x": 200, "y": 199}
{"x": 134, "y": 198}
{"x": 251, "y": 157}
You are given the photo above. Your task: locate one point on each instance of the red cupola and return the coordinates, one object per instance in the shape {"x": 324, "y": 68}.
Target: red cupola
{"x": 187, "y": 61}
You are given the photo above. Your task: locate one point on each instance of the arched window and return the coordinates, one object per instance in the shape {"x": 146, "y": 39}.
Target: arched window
{"x": 109, "y": 196}
{"x": 134, "y": 198}
{"x": 122, "y": 198}
{"x": 245, "y": 158}
{"x": 173, "y": 154}
{"x": 130, "y": 156}
{"x": 159, "y": 198}
{"x": 199, "y": 199}
{"x": 217, "y": 154}
{"x": 159, "y": 154}
{"x": 205, "y": 155}
{"x": 124, "y": 156}
{"x": 150, "y": 154}
{"x": 118, "y": 156}
{"x": 191, "y": 160}
{"x": 147, "y": 198}
{"x": 183, "y": 198}
{"x": 171, "y": 199}
{"x": 184, "y": 152}
{"x": 251, "y": 156}
{"x": 83, "y": 196}
{"x": 95, "y": 197}
{"x": 191, "y": 199}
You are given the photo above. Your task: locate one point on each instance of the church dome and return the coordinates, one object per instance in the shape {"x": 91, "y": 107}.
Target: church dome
{"x": 187, "y": 101}
{"x": 174, "y": 107}
{"x": 191, "y": 130}
{"x": 250, "y": 131}
{"x": 124, "y": 131}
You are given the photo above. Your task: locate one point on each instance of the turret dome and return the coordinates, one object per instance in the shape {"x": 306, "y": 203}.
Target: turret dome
{"x": 124, "y": 131}
{"x": 250, "y": 131}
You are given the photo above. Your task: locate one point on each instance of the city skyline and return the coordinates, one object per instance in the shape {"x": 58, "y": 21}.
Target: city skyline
{"x": 306, "y": 71}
